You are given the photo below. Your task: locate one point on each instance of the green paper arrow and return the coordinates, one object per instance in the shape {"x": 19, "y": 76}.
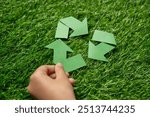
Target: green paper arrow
{"x": 62, "y": 31}
{"x": 102, "y": 36}
{"x": 73, "y": 63}
{"x": 80, "y": 28}
{"x": 60, "y": 50}
{"x": 98, "y": 52}
{"x": 60, "y": 55}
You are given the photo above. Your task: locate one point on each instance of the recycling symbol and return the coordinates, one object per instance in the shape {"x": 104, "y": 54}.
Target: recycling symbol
{"x": 97, "y": 52}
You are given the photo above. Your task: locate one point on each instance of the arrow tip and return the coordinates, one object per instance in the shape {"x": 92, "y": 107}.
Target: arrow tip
{"x": 60, "y": 45}
{"x": 81, "y": 30}
{"x": 94, "y": 52}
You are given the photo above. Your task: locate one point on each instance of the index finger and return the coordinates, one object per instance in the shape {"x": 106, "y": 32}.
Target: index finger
{"x": 45, "y": 69}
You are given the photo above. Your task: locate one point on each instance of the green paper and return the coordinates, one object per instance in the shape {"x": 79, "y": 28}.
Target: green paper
{"x": 60, "y": 56}
{"x": 73, "y": 63}
{"x": 71, "y": 22}
{"x": 62, "y": 31}
{"x": 60, "y": 50}
{"x": 80, "y": 28}
{"x": 102, "y": 36}
{"x": 98, "y": 52}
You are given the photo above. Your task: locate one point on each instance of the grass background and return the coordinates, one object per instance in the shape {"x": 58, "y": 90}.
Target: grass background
{"x": 26, "y": 26}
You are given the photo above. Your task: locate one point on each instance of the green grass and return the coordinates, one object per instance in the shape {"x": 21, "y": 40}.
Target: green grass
{"x": 26, "y": 26}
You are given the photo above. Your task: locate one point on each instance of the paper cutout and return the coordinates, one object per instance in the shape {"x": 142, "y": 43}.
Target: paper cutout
{"x": 102, "y": 36}
{"x": 98, "y": 52}
{"x": 80, "y": 28}
{"x": 71, "y": 22}
{"x": 62, "y": 31}
{"x": 60, "y": 50}
{"x": 73, "y": 63}
{"x": 60, "y": 56}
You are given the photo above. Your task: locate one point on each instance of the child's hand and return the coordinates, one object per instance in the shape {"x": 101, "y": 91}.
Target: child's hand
{"x": 50, "y": 82}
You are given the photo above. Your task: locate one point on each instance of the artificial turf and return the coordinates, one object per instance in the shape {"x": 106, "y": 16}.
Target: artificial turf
{"x": 26, "y": 26}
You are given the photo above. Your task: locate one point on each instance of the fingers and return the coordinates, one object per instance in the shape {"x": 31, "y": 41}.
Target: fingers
{"x": 53, "y": 76}
{"x": 45, "y": 69}
{"x": 72, "y": 81}
{"x": 59, "y": 70}
{"x": 53, "y": 72}
{"x": 67, "y": 74}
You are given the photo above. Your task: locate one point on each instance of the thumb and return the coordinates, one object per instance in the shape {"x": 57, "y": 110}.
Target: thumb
{"x": 59, "y": 70}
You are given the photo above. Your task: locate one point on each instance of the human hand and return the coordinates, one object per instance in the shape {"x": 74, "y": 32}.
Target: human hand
{"x": 50, "y": 82}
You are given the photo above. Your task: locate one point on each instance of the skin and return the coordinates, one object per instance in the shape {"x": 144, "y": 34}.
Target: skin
{"x": 50, "y": 82}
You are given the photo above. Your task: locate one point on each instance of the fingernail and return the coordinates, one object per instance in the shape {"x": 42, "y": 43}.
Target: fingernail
{"x": 59, "y": 64}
